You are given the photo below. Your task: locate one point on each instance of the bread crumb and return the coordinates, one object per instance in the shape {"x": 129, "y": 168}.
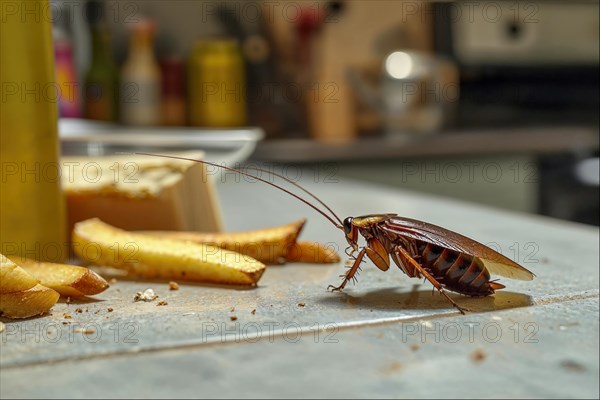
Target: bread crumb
{"x": 232, "y": 309}
{"x": 79, "y": 310}
{"x": 112, "y": 281}
{"x": 391, "y": 368}
{"x": 233, "y": 318}
{"x": 414, "y": 347}
{"x": 572, "y": 366}
{"x": 253, "y": 312}
{"x": 301, "y": 304}
{"x": 478, "y": 356}
{"x": 67, "y": 316}
{"x": 147, "y": 295}
{"x": 173, "y": 286}
{"x": 85, "y": 331}
{"x": 162, "y": 303}
{"x": 109, "y": 309}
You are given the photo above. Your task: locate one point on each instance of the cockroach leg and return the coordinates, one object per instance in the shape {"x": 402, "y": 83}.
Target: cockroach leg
{"x": 403, "y": 254}
{"x": 351, "y": 272}
{"x": 349, "y": 252}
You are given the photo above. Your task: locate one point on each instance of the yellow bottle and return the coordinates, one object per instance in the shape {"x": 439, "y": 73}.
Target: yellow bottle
{"x": 217, "y": 85}
{"x": 32, "y": 214}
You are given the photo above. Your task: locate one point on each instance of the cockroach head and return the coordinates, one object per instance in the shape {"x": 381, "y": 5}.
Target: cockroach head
{"x": 348, "y": 225}
{"x": 351, "y": 233}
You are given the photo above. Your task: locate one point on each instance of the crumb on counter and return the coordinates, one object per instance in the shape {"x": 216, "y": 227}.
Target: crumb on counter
{"x": 301, "y": 305}
{"x": 478, "y": 356}
{"x": 233, "y": 318}
{"x": 67, "y": 316}
{"x": 85, "y": 331}
{"x": 173, "y": 285}
{"x": 147, "y": 295}
{"x": 232, "y": 309}
{"x": 253, "y": 312}
{"x": 572, "y": 365}
{"x": 110, "y": 309}
{"x": 391, "y": 368}
{"x": 162, "y": 303}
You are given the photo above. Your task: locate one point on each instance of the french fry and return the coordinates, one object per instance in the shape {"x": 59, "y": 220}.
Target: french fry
{"x": 268, "y": 245}
{"x": 68, "y": 280}
{"x": 14, "y": 278}
{"x": 312, "y": 252}
{"x": 148, "y": 256}
{"x": 27, "y": 303}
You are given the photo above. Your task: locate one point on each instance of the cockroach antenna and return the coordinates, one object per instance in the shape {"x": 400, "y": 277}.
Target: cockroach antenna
{"x": 336, "y": 224}
{"x": 301, "y": 188}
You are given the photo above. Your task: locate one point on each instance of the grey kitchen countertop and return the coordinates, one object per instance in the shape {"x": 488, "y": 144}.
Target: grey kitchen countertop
{"x": 461, "y": 142}
{"x": 387, "y": 336}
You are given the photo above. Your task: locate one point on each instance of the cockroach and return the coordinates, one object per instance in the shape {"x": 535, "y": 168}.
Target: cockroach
{"x": 448, "y": 260}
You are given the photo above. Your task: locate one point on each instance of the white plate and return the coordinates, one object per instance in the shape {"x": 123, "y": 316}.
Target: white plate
{"x": 84, "y": 137}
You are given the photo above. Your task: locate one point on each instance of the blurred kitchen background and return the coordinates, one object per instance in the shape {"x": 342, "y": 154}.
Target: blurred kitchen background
{"x": 492, "y": 102}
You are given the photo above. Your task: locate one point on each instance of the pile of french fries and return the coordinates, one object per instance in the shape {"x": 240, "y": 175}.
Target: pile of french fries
{"x": 29, "y": 288}
{"x": 224, "y": 258}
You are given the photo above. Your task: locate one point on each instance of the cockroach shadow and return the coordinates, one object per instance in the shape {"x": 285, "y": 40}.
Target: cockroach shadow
{"x": 396, "y": 299}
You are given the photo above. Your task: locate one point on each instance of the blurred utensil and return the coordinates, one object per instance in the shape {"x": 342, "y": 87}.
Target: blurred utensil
{"x": 417, "y": 92}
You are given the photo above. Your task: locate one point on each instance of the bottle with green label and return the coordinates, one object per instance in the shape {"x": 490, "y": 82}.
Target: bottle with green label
{"x": 102, "y": 78}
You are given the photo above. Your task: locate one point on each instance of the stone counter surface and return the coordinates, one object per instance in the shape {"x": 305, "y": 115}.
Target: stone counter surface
{"x": 388, "y": 336}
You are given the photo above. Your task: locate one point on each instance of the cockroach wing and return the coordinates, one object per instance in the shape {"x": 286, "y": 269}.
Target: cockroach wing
{"x": 495, "y": 262}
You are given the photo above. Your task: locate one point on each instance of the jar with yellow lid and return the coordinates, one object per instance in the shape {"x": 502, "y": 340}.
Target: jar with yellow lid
{"x": 217, "y": 84}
